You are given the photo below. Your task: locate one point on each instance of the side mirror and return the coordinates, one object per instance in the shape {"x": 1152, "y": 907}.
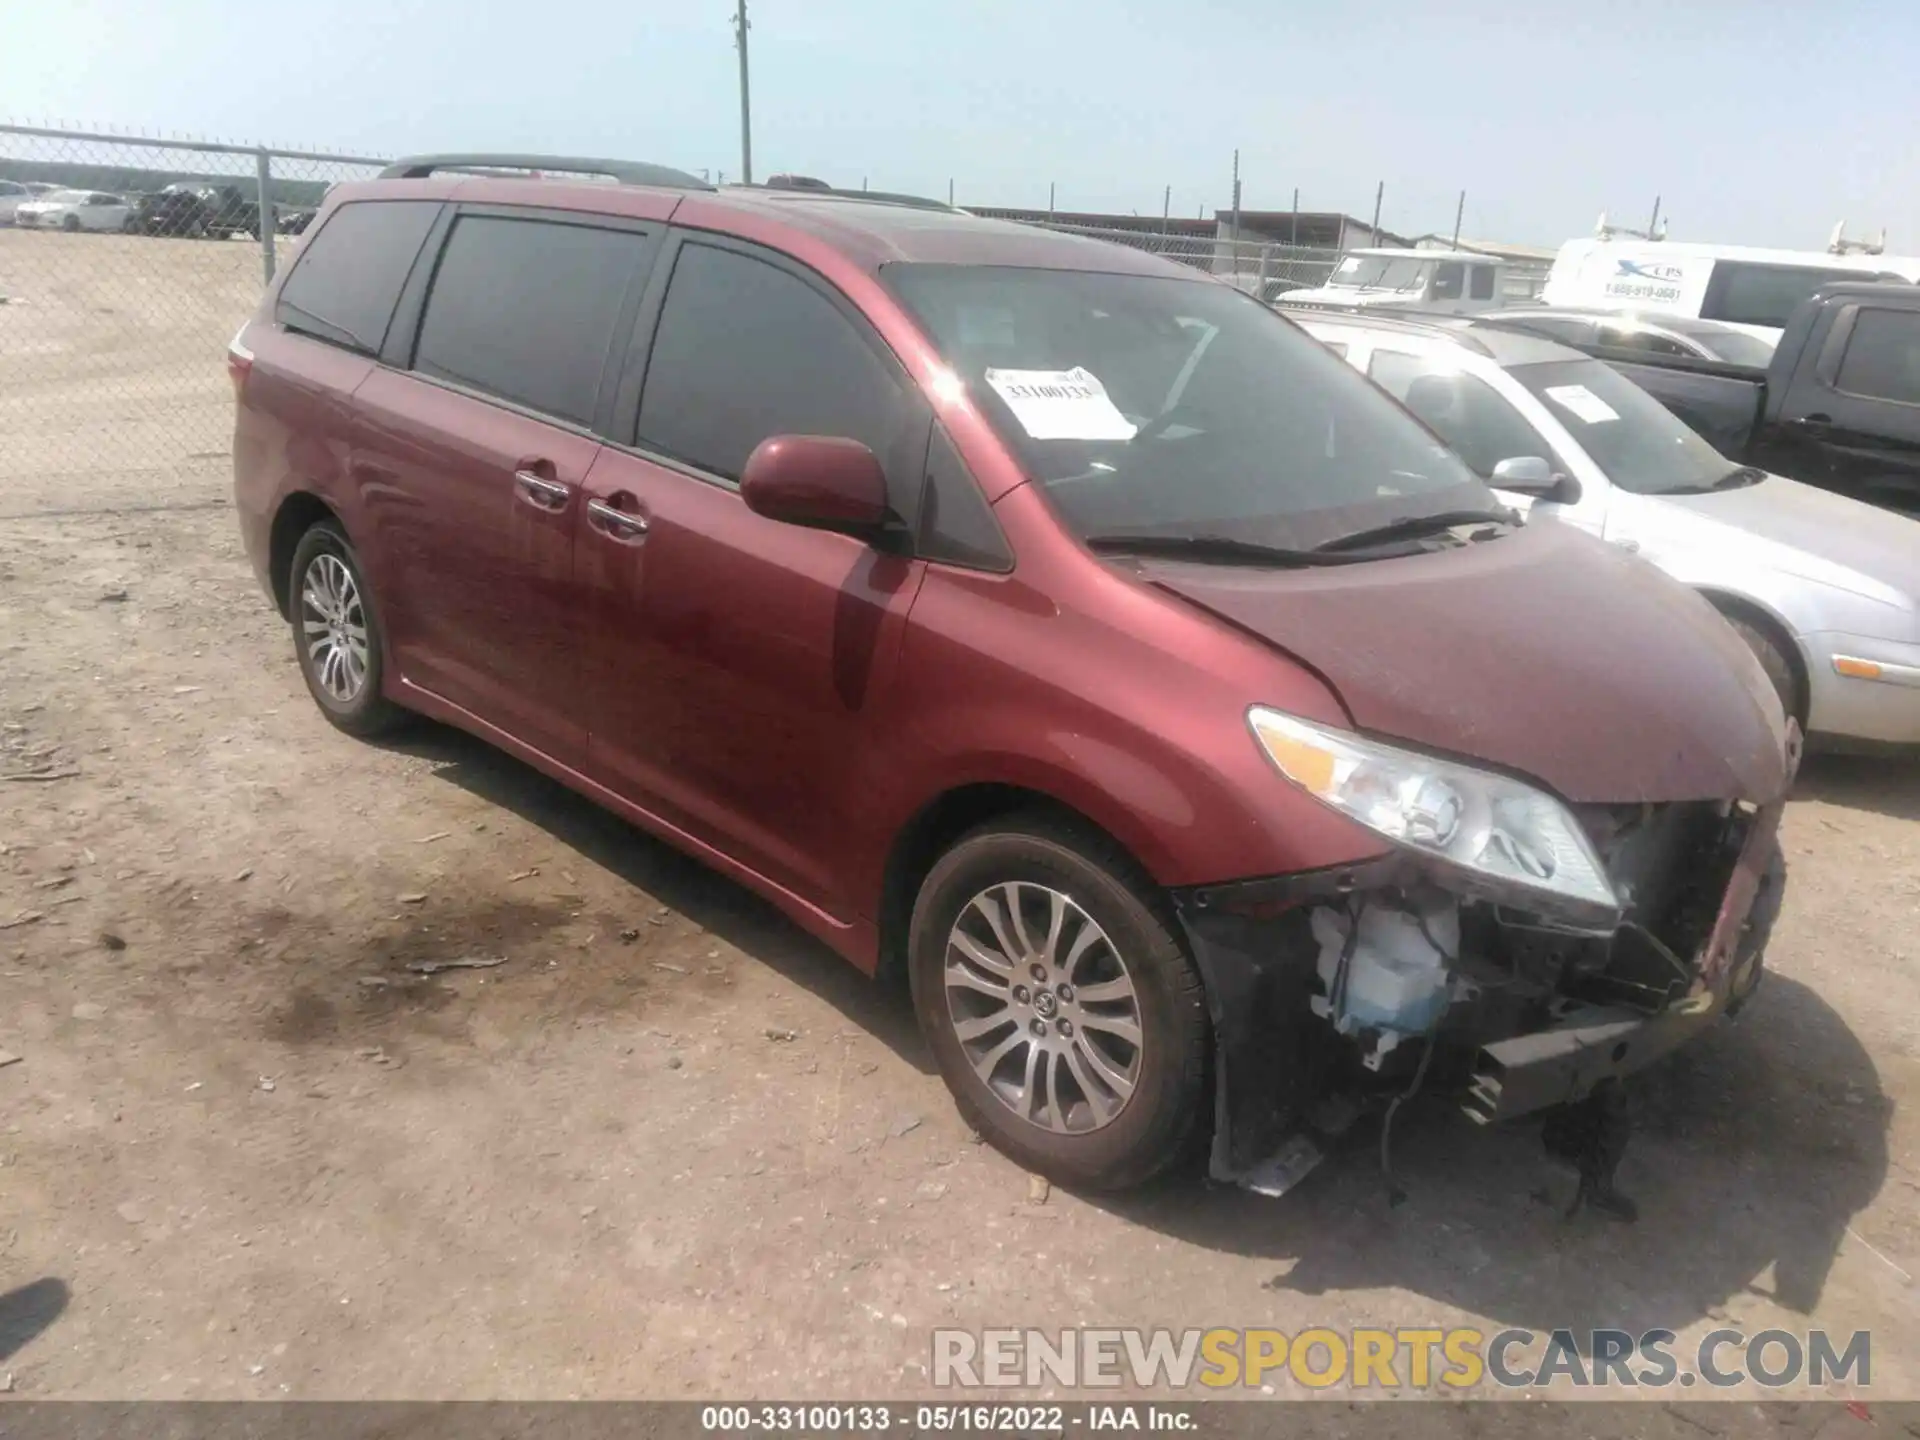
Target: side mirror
{"x": 818, "y": 481}
{"x": 1531, "y": 475}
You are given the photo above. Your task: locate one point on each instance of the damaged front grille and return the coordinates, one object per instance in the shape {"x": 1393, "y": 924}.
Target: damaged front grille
{"x": 1670, "y": 865}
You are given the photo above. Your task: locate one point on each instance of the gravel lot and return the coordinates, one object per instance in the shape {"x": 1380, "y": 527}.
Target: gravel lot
{"x": 671, "y": 1147}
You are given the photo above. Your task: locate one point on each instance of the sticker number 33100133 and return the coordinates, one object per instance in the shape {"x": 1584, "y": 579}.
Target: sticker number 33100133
{"x": 1060, "y": 404}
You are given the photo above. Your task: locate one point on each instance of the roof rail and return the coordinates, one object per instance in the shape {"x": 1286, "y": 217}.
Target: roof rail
{"x": 626, "y": 172}
{"x": 877, "y": 197}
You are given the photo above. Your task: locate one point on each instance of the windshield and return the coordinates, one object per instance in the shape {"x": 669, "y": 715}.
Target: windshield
{"x": 65, "y": 197}
{"x": 1631, "y": 436}
{"x": 1147, "y": 404}
{"x": 1380, "y": 272}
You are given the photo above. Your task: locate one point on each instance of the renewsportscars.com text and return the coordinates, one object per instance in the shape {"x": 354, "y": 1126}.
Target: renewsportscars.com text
{"x": 1368, "y": 1359}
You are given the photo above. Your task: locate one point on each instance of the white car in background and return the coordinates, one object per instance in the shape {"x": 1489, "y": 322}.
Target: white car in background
{"x": 1652, "y": 334}
{"x": 13, "y": 195}
{"x": 74, "y": 210}
{"x": 1824, "y": 589}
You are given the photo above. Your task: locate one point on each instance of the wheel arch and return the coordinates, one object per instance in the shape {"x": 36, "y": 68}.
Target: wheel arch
{"x": 932, "y": 831}
{"x": 298, "y": 513}
{"x": 1741, "y": 607}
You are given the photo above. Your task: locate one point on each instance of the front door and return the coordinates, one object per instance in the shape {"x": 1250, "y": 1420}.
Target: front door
{"x": 472, "y": 460}
{"x": 736, "y": 667}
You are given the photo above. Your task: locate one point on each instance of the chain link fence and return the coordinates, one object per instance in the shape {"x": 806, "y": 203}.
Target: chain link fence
{"x": 127, "y": 262}
{"x": 1260, "y": 267}
{"x": 126, "y": 265}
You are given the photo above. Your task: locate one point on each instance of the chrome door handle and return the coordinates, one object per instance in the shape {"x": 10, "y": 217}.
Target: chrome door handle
{"x": 547, "y": 494}
{"x": 617, "y": 524}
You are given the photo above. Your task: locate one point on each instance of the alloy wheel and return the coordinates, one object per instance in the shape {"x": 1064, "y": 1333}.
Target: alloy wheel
{"x": 334, "y": 628}
{"x": 1043, "y": 1006}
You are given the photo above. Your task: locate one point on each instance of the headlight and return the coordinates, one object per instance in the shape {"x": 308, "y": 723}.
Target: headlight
{"x": 1495, "y": 827}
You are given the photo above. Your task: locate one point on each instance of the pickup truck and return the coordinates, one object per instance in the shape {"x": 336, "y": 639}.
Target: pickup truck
{"x": 1839, "y": 407}
{"x": 188, "y": 208}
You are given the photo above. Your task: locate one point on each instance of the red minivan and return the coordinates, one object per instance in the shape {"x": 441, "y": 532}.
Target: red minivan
{"x": 1040, "y": 619}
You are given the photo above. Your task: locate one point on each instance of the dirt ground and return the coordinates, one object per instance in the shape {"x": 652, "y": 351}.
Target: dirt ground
{"x": 670, "y": 1147}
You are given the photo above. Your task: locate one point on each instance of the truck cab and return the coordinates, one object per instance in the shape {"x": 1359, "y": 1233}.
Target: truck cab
{"x": 1450, "y": 281}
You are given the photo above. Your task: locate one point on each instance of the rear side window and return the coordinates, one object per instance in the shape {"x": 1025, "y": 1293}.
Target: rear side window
{"x": 1555, "y": 327}
{"x": 745, "y": 350}
{"x": 1883, "y": 356}
{"x": 349, "y": 274}
{"x": 1448, "y": 279}
{"x": 1743, "y": 294}
{"x": 1621, "y": 338}
{"x": 1482, "y": 282}
{"x": 525, "y": 310}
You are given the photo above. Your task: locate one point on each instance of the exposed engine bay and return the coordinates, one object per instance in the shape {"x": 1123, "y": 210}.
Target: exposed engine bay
{"x": 1379, "y": 982}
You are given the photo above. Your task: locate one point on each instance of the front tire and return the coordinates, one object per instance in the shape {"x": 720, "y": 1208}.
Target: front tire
{"x": 71, "y": 224}
{"x": 1774, "y": 661}
{"x": 337, "y": 633}
{"x": 1064, "y": 1013}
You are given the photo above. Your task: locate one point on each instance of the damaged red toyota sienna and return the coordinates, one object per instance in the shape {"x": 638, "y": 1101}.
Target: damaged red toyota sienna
{"x": 1040, "y": 619}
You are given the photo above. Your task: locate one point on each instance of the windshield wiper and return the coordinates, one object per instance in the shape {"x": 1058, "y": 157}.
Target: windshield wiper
{"x": 1415, "y": 526}
{"x": 1737, "y": 478}
{"x": 1214, "y": 549}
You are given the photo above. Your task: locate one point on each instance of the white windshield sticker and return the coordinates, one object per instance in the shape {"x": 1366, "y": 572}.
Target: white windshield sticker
{"x": 1060, "y": 404}
{"x": 1582, "y": 402}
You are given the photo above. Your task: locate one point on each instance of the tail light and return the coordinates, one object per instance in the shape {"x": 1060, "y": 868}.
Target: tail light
{"x": 239, "y": 362}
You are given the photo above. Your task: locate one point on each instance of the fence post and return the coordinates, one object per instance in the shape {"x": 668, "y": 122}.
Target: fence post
{"x": 1266, "y": 259}
{"x": 263, "y": 182}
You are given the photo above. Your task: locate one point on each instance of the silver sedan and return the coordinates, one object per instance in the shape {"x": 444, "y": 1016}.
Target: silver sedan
{"x": 1825, "y": 589}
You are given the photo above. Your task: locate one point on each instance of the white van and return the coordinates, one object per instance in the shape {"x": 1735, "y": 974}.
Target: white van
{"x": 1455, "y": 281}
{"x": 1750, "y": 289}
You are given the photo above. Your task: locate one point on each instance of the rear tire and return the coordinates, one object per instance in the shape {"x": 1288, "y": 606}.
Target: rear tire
{"x": 1029, "y": 1015}
{"x": 1773, "y": 660}
{"x": 71, "y": 224}
{"x": 337, "y": 633}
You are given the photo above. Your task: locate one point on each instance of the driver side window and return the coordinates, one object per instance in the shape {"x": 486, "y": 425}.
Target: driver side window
{"x": 722, "y": 377}
{"x": 1475, "y": 421}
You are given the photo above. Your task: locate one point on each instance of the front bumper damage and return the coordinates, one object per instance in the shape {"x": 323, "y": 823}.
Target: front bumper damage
{"x": 1540, "y": 1013}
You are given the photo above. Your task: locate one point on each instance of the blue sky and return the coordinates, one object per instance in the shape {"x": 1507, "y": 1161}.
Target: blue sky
{"x": 1760, "y": 122}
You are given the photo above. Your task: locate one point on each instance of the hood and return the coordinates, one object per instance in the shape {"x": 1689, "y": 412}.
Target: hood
{"x": 1826, "y": 533}
{"x": 1546, "y": 653}
{"x": 1352, "y": 295}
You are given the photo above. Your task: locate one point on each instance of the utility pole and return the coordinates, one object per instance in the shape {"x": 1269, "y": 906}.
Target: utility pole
{"x": 949, "y": 190}
{"x": 746, "y": 113}
{"x": 1379, "y": 194}
{"x": 1293, "y": 232}
{"x": 1458, "y": 211}
{"x": 1166, "y": 209}
{"x": 1236, "y": 202}
{"x": 1653, "y": 225}
{"x": 1050, "y": 200}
